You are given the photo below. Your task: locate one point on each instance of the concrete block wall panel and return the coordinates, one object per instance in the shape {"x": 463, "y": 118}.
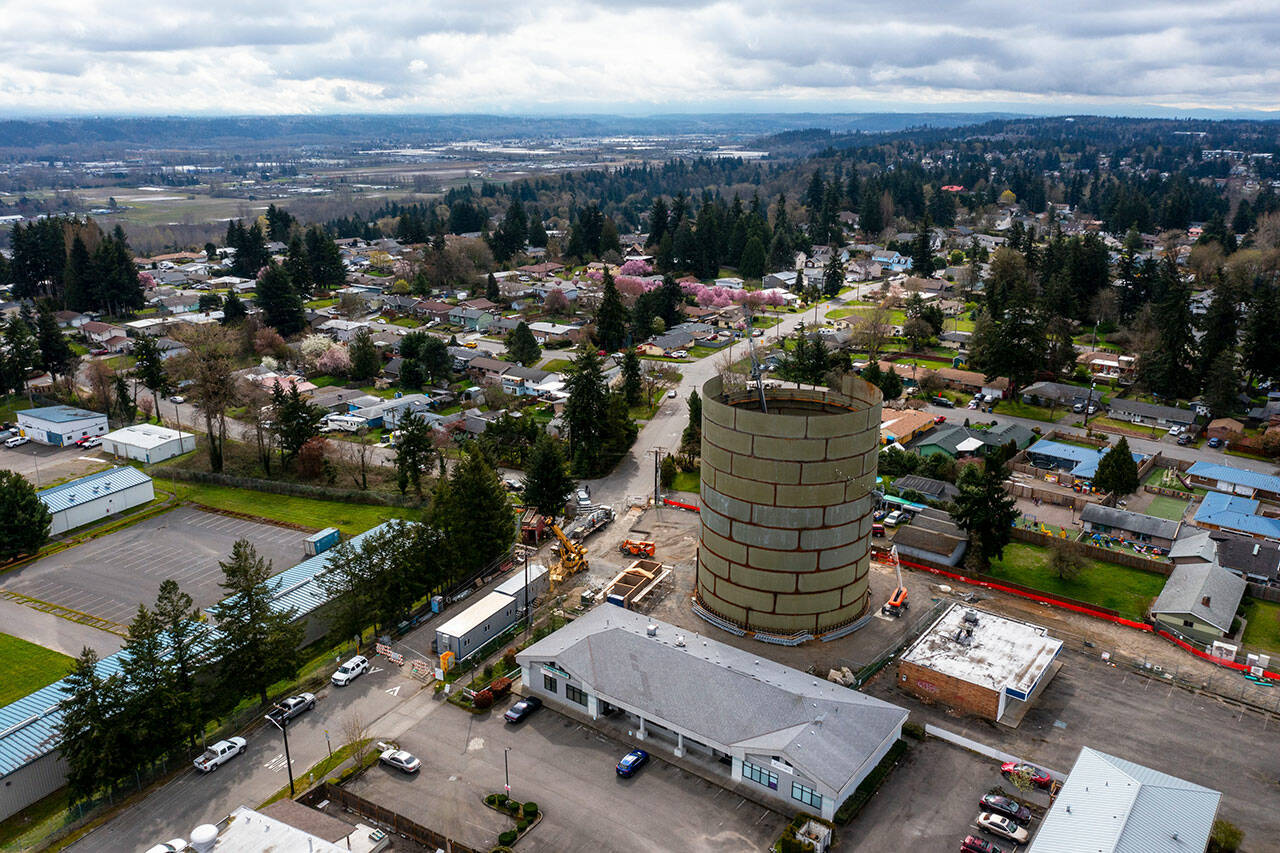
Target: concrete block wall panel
{"x": 785, "y": 535}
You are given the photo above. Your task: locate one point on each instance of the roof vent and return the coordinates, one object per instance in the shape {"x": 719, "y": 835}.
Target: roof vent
{"x": 971, "y": 617}
{"x": 203, "y": 837}
{"x": 651, "y": 630}
{"x": 1205, "y": 601}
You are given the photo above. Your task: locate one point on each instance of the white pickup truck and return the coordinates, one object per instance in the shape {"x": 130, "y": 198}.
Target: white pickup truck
{"x": 220, "y": 753}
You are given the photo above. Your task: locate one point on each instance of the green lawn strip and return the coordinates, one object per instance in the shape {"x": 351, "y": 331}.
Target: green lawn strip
{"x": 1245, "y": 455}
{"x": 1166, "y": 507}
{"x": 1019, "y": 409}
{"x": 557, "y": 365}
{"x": 308, "y": 512}
{"x": 1120, "y": 588}
{"x": 702, "y": 352}
{"x": 28, "y": 667}
{"x": 1263, "y": 630}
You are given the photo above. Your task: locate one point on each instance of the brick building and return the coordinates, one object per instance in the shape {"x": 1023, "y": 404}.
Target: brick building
{"x": 979, "y": 663}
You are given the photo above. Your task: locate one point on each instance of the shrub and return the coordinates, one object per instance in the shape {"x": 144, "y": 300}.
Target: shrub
{"x": 509, "y": 659}
{"x": 1225, "y": 837}
{"x": 491, "y": 799}
{"x": 522, "y": 825}
{"x": 913, "y": 730}
{"x": 488, "y": 671}
{"x": 500, "y": 799}
{"x": 530, "y": 809}
{"x": 507, "y": 838}
{"x": 500, "y": 686}
{"x": 483, "y": 699}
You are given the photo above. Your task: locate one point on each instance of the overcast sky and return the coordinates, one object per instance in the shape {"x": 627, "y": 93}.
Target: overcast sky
{"x": 319, "y": 56}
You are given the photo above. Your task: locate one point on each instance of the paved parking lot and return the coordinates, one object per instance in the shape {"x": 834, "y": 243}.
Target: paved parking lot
{"x": 929, "y": 803}
{"x": 1147, "y": 720}
{"x": 568, "y": 769}
{"x": 110, "y": 576}
{"x": 44, "y": 465}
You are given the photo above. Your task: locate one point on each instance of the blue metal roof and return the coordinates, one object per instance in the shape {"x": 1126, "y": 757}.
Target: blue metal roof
{"x": 29, "y": 726}
{"x": 92, "y": 487}
{"x": 60, "y": 414}
{"x": 1236, "y": 476}
{"x": 1236, "y": 513}
{"x": 1085, "y": 459}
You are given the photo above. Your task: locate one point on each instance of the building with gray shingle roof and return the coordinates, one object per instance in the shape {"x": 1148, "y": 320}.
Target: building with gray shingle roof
{"x": 1109, "y": 805}
{"x": 802, "y": 740}
{"x": 1199, "y": 600}
{"x": 1134, "y": 526}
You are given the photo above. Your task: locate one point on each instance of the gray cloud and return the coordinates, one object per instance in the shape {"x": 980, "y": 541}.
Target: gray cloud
{"x": 316, "y": 55}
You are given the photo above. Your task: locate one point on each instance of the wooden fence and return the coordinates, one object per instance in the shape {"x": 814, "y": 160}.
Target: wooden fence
{"x": 384, "y": 817}
{"x": 1094, "y": 552}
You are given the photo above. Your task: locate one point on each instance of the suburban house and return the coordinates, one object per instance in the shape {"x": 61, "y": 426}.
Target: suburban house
{"x": 1129, "y": 526}
{"x": 1199, "y": 601}
{"x": 99, "y": 332}
{"x": 544, "y": 331}
{"x": 470, "y": 318}
{"x": 806, "y": 743}
{"x": 524, "y": 381}
{"x": 891, "y": 261}
{"x": 932, "y": 536}
{"x": 342, "y": 330}
{"x": 70, "y": 319}
{"x": 489, "y": 370}
{"x": 1109, "y": 805}
{"x": 1253, "y": 559}
{"x": 903, "y": 425}
{"x": 960, "y": 441}
{"x": 934, "y": 490}
{"x": 1235, "y": 481}
{"x": 1235, "y": 514}
{"x": 1226, "y": 429}
{"x": 433, "y": 308}
{"x": 952, "y": 378}
{"x": 1078, "y": 461}
{"x": 1056, "y": 394}
{"x": 1150, "y": 414}
{"x": 1108, "y": 366}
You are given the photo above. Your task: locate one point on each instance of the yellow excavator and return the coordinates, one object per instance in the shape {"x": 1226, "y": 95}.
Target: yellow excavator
{"x": 573, "y": 557}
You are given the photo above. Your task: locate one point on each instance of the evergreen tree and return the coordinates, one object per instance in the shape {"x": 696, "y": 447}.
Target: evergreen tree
{"x": 657, "y": 221}
{"x": 473, "y": 514}
{"x": 833, "y": 277}
{"x": 251, "y": 250}
{"x": 414, "y": 450}
{"x": 521, "y": 345}
{"x": 281, "y": 306}
{"x": 1261, "y": 345}
{"x": 631, "y": 382}
{"x": 298, "y": 266}
{"x": 537, "y": 234}
{"x": 547, "y": 484}
{"x": 80, "y": 292}
{"x": 325, "y": 259}
{"x": 870, "y": 216}
{"x": 233, "y": 310}
{"x": 91, "y": 730}
{"x": 691, "y": 438}
{"x": 55, "y": 352}
{"x": 149, "y": 708}
{"x": 20, "y": 353}
{"x": 584, "y": 411}
{"x": 1220, "y": 327}
{"x": 366, "y": 363}
{"x": 150, "y": 369}
{"x": 24, "y": 518}
{"x": 1168, "y": 369}
{"x": 922, "y": 263}
{"x": 179, "y": 621}
{"x": 491, "y": 291}
{"x": 752, "y": 264}
{"x": 1222, "y": 385}
{"x": 1117, "y": 470}
{"x": 126, "y": 405}
{"x": 985, "y": 509}
{"x": 611, "y": 316}
{"x": 297, "y": 421}
{"x": 259, "y": 642}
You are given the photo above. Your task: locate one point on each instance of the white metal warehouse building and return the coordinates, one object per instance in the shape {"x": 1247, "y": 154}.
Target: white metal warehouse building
{"x": 148, "y": 443}
{"x": 60, "y": 425}
{"x": 806, "y": 742}
{"x": 95, "y": 497}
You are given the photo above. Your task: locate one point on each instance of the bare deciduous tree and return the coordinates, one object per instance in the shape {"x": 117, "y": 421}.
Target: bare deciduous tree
{"x": 209, "y": 364}
{"x": 355, "y": 732}
{"x": 872, "y": 330}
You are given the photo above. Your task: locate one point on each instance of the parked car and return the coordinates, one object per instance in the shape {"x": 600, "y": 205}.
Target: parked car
{"x": 1040, "y": 778}
{"x": 1184, "y": 439}
{"x": 973, "y": 404}
{"x": 1002, "y": 826}
{"x": 287, "y": 709}
{"x": 1213, "y": 442}
{"x": 974, "y": 844}
{"x": 680, "y": 354}
{"x": 943, "y": 402}
{"x": 940, "y": 419}
{"x": 632, "y": 762}
{"x": 220, "y": 753}
{"x": 584, "y": 496}
{"x": 1006, "y": 806}
{"x": 350, "y": 671}
{"x": 16, "y": 441}
{"x": 92, "y": 441}
{"x": 400, "y": 760}
{"x": 1078, "y": 408}
{"x": 893, "y": 518}
{"x": 671, "y": 395}
{"x": 98, "y": 351}
{"x": 522, "y": 709}
{"x": 470, "y": 344}
{"x": 1175, "y": 430}
{"x": 178, "y": 398}
{"x": 512, "y": 484}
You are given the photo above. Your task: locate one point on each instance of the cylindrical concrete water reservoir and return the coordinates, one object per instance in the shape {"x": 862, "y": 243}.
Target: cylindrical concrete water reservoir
{"x": 786, "y": 505}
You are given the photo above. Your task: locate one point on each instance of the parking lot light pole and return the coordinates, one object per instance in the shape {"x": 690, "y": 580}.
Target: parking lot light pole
{"x": 283, "y": 726}
{"x": 506, "y": 770}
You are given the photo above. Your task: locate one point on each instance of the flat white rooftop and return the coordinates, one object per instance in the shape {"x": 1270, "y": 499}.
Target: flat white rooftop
{"x": 475, "y": 615}
{"x": 1001, "y": 653}
{"x": 147, "y": 436}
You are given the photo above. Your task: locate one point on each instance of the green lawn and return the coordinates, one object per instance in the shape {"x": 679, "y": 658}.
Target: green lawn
{"x": 309, "y": 512}
{"x": 687, "y": 481}
{"x": 556, "y": 365}
{"x": 1263, "y": 630}
{"x": 1019, "y": 409}
{"x": 701, "y": 352}
{"x": 1126, "y": 590}
{"x": 28, "y": 667}
{"x": 1166, "y": 507}
{"x": 321, "y": 303}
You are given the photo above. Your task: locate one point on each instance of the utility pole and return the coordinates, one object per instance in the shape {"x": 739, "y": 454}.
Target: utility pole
{"x": 283, "y": 726}
{"x": 506, "y": 769}
{"x": 657, "y": 480}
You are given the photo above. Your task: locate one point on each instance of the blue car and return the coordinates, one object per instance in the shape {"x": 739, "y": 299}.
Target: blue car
{"x": 1215, "y": 442}
{"x": 631, "y": 762}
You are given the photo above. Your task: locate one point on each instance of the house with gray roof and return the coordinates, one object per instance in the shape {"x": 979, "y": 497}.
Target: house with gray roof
{"x": 1109, "y": 805}
{"x": 960, "y": 441}
{"x": 1130, "y": 526}
{"x": 803, "y": 742}
{"x": 1055, "y": 394}
{"x": 1150, "y": 414}
{"x": 1199, "y": 601}
{"x": 938, "y": 490}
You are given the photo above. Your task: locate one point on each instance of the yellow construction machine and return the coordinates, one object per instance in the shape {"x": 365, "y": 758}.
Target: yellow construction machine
{"x": 573, "y": 557}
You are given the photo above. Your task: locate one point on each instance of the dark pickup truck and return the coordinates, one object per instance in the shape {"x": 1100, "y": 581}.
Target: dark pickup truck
{"x": 289, "y": 708}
